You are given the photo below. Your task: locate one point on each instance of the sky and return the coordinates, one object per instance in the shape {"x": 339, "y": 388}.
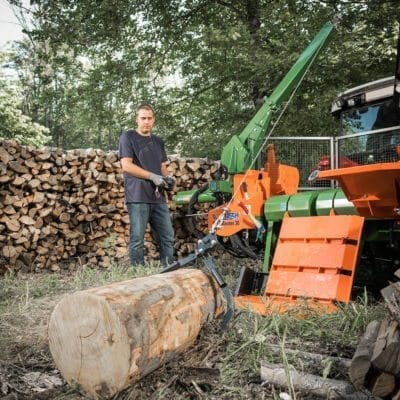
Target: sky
{"x": 9, "y": 27}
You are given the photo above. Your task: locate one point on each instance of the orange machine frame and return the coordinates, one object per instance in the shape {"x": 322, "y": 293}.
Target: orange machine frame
{"x": 374, "y": 189}
{"x": 316, "y": 257}
{"x": 250, "y": 190}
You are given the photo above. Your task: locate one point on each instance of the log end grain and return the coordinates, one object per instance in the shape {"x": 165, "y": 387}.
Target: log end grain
{"x": 89, "y": 344}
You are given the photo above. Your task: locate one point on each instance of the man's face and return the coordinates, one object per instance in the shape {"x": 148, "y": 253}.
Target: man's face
{"x": 145, "y": 121}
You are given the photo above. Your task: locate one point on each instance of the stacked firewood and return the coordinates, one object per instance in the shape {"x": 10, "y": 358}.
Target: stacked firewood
{"x": 376, "y": 362}
{"x": 63, "y": 208}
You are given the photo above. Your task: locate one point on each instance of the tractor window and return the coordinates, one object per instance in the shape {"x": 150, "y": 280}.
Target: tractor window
{"x": 369, "y": 118}
{"x": 371, "y": 147}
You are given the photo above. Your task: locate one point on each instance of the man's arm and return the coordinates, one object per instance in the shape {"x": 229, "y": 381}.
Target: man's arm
{"x": 164, "y": 169}
{"x": 129, "y": 167}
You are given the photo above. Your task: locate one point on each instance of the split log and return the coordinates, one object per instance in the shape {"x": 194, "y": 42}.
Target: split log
{"x": 110, "y": 337}
{"x": 308, "y": 383}
{"x": 386, "y": 353}
{"x": 382, "y": 384}
{"x": 376, "y": 362}
{"x": 361, "y": 361}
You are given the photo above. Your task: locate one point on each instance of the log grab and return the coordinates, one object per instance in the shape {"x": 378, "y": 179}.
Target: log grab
{"x": 204, "y": 245}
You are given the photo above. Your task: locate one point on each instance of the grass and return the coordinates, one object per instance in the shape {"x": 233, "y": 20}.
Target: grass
{"x": 26, "y": 303}
{"x": 249, "y": 340}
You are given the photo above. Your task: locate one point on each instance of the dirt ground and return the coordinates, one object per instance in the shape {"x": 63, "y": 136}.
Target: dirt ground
{"x": 196, "y": 374}
{"x": 218, "y": 366}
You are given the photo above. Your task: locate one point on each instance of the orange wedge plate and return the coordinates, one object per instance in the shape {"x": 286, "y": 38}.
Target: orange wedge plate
{"x": 315, "y": 260}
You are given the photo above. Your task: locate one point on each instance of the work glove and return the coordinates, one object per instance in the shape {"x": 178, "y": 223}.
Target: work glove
{"x": 158, "y": 180}
{"x": 169, "y": 181}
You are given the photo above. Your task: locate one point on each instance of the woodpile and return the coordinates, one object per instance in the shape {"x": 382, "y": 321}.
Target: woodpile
{"x": 59, "y": 209}
{"x": 375, "y": 365}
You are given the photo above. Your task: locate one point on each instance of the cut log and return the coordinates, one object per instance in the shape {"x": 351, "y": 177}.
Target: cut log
{"x": 382, "y": 384}
{"x": 361, "y": 361}
{"x": 316, "y": 357}
{"x": 109, "y": 337}
{"x": 386, "y": 351}
{"x": 311, "y": 384}
{"x": 12, "y": 225}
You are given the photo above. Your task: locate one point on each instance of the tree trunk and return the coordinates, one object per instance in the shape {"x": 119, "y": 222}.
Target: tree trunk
{"x": 109, "y": 337}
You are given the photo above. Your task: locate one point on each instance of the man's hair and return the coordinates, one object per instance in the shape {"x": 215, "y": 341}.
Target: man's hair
{"x": 147, "y": 107}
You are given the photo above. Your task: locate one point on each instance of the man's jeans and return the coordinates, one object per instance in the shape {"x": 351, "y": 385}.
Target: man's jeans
{"x": 140, "y": 214}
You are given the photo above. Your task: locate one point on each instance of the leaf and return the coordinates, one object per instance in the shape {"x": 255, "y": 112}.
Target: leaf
{"x": 327, "y": 368}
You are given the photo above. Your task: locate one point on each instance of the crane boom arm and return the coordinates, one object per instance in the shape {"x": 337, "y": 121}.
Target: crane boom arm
{"x": 238, "y": 155}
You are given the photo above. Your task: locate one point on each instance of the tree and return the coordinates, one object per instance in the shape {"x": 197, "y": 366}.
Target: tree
{"x": 228, "y": 57}
{"x": 13, "y": 123}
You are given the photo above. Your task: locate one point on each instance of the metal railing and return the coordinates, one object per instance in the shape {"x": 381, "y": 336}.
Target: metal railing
{"x": 327, "y": 152}
{"x": 367, "y": 147}
{"x": 303, "y": 153}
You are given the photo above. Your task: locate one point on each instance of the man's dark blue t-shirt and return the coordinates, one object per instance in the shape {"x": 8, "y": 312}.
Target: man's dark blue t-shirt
{"x": 148, "y": 152}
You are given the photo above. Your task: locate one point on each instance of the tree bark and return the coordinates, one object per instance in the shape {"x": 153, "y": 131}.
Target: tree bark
{"x": 109, "y": 337}
{"x": 319, "y": 358}
{"x": 361, "y": 361}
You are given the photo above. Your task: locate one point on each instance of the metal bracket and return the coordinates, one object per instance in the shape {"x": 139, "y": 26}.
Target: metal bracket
{"x": 203, "y": 246}
{"x": 250, "y": 282}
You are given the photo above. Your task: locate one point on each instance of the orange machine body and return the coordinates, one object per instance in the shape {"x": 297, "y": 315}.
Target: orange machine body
{"x": 374, "y": 189}
{"x": 250, "y": 191}
{"x": 316, "y": 257}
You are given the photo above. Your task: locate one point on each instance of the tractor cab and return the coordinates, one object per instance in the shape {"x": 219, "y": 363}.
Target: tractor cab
{"x": 369, "y": 126}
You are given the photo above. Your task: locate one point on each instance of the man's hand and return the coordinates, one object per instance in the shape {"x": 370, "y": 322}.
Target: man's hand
{"x": 169, "y": 181}
{"x": 158, "y": 180}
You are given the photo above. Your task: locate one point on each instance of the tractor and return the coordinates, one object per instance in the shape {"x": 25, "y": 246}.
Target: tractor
{"x": 313, "y": 240}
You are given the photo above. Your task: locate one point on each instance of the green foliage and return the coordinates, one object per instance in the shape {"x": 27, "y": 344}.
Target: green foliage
{"x": 14, "y": 124}
{"x": 89, "y": 63}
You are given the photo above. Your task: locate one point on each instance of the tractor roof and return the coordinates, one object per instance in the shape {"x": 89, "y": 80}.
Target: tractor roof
{"x": 367, "y": 93}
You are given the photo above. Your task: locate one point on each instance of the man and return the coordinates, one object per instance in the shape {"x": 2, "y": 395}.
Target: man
{"x": 144, "y": 163}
